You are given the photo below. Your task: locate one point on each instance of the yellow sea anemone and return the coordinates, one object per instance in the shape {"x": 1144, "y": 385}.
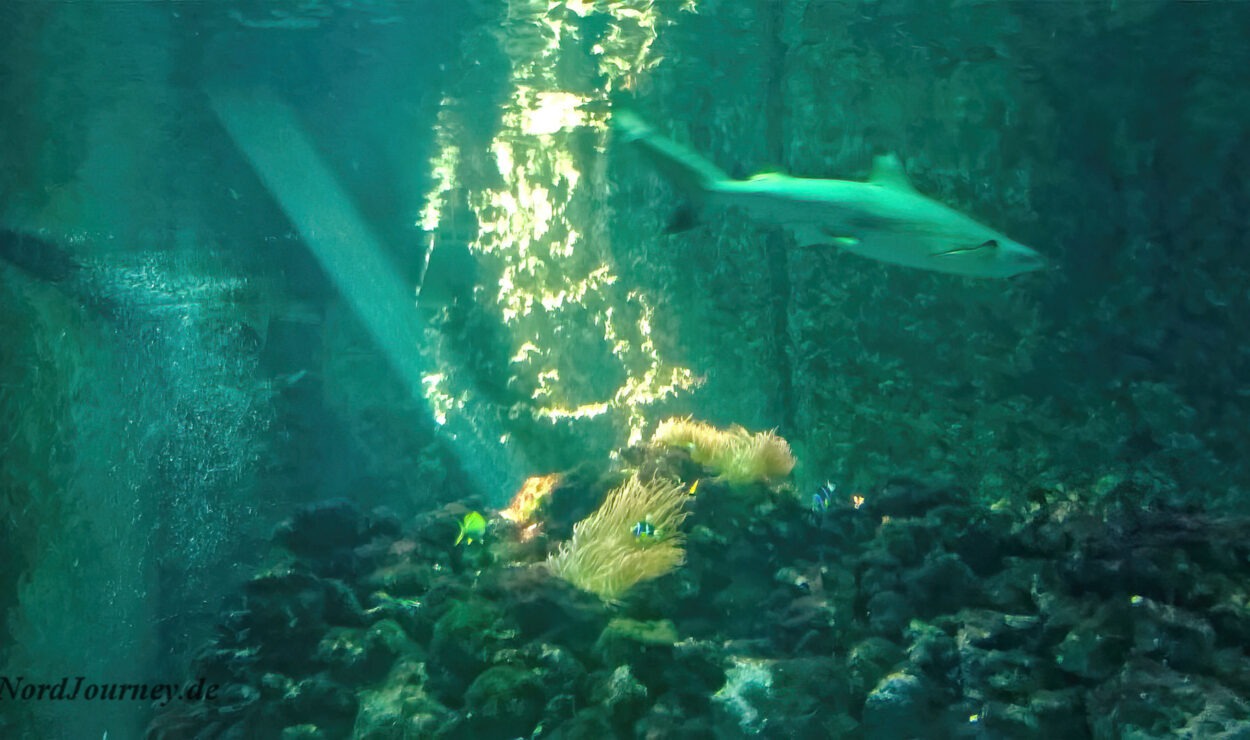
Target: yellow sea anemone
{"x": 607, "y": 556}
{"x": 735, "y": 455}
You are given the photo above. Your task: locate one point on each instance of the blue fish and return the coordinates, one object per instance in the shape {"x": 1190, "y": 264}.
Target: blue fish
{"x": 644, "y": 530}
{"x": 823, "y": 497}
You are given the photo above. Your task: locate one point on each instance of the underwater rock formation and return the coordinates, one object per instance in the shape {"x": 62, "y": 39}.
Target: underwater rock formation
{"x": 909, "y": 611}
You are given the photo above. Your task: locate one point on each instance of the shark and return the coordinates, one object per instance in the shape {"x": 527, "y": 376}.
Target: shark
{"x": 884, "y": 218}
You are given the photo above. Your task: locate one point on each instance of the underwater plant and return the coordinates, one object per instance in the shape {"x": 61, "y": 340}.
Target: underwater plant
{"x": 632, "y": 537}
{"x": 735, "y": 455}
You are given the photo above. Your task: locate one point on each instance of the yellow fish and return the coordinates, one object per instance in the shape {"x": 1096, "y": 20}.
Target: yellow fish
{"x": 474, "y": 525}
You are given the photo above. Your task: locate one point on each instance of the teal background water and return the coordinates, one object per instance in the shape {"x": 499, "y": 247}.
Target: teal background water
{"x": 250, "y": 195}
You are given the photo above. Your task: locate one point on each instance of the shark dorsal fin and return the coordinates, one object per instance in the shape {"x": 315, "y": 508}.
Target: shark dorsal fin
{"x": 888, "y": 172}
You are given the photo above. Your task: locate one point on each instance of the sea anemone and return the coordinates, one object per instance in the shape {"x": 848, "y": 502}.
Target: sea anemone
{"x": 606, "y": 556}
{"x": 735, "y": 455}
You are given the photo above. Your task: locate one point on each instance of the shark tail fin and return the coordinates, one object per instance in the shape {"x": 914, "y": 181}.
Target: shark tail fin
{"x": 691, "y": 173}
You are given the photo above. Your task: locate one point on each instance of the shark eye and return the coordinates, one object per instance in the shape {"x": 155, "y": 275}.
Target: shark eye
{"x": 991, "y": 244}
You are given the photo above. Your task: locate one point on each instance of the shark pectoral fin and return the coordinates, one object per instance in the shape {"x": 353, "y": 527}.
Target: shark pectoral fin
{"x": 810, "y": 235}
{"x": 838, "y": 239}
{"x": 888, "y": 172}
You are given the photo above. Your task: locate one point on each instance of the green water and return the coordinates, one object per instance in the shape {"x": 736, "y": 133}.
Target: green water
{"x": 215, "y": 223}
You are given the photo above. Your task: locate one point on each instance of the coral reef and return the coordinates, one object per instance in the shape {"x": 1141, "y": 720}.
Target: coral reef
{"x": 735, "y": 455}
{"x": 916, "y": 612}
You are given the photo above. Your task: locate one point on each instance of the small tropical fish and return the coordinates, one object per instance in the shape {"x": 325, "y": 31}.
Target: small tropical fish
{"x": 694, "y": 486}
{"x": 473, "y": 526}
{"x": 644, "y": 530}
{"x": 823, "y": 497}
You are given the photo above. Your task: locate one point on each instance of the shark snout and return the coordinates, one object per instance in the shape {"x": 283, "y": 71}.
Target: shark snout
{"x": 1019, "y": 259}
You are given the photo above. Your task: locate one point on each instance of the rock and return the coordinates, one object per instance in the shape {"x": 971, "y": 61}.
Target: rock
{"x": 1010, "y": 674}
{"x": 357, "y": 656}
{"x": 1011, "y": 589}
{"x": 407, "y": 578}
{"x": 889, "y": 613}
{"x": 325, "y": 535}
{"x": 341, "y": 605}
{"x": 669, "y": 719}
{"x": 545, "y": 608}
{"x": 1231, "y": 619}
{"x": 991, "y": 630}
{"x": 905, "y": 542}
{"x": 411, "y": 614}
{"x": 802, "y": 615}
{"x": 222, "y": 666}
{"x": 561, "y": 673}
{"x": 630, "y": 641}
{"x": 289, "y": 610}
{"x": 696, "y": 672}
{"x": 868, "y": 661}
{"x": 275, "y": 686}
{"x": 739, "y": 707}
{"x": 588, "y": 723}
{"x": 322, "y": 701}
{"x": 286, "y": 613}
{"x": 904, "y": 498}
{"x": 810, "y": 698}
{"x": 304, "y": 732}
{"x": 900, "y": 706}
{"x": 931, "y": 650}
{"x": 390, "y": 641}
{"x": 938, "y": 621}
{"x": 504, "y": 702}
{"x": 1096, "y": 646}
{"x": 619, "y": 696}
{"x": 1148, "y": 699}
{"x": 579, "y": 492}
{"x": 464, "y": 640}
{"x": 237, "y": 697}
{"x": 1057, "y": 714}
{"x": 985, "y": 543}
{"x": 1179, "y": 638}
{"x": 400, "y": 709}
{"x": 383, "y": 522}
{"x": 942, "y": 584}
